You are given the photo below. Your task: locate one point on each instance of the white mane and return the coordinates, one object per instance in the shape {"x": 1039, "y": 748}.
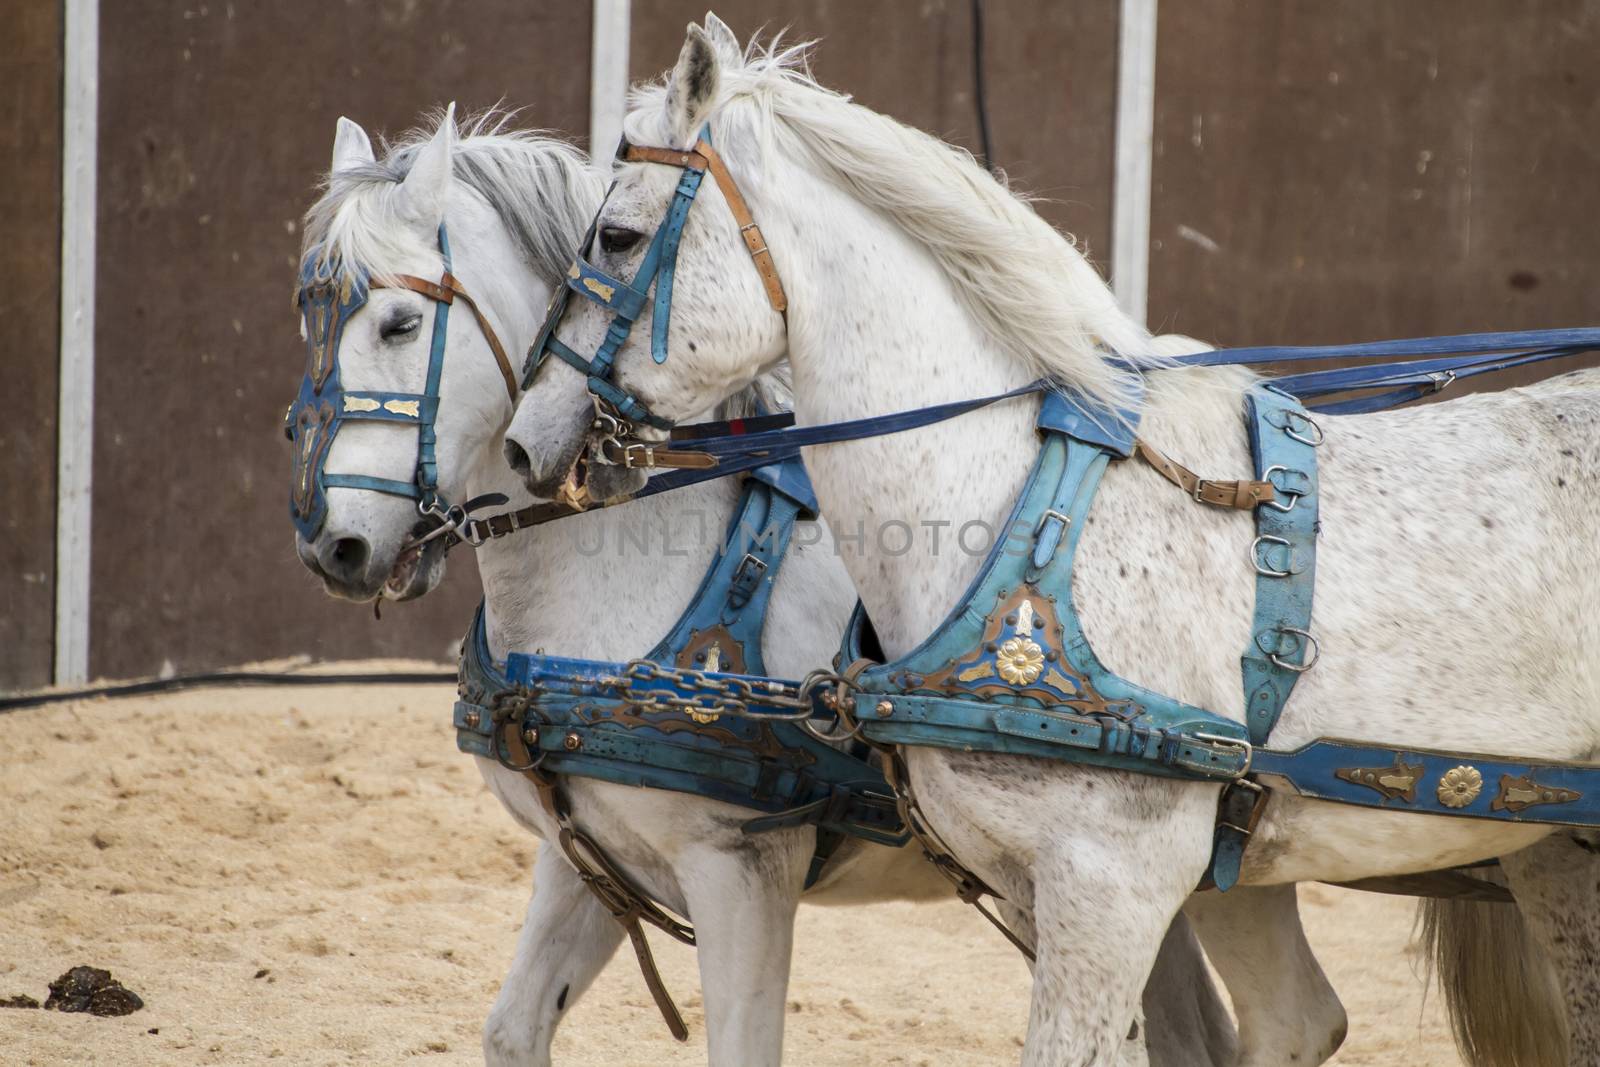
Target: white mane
{"x": 1026, "y": 284}
{"x": 542, "y": 189}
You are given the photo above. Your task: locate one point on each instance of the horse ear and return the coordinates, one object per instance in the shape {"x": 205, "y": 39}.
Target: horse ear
{"x": 723, "y": 37}
{"x": 351, "y": 146}
{"x": 693, "y": 87}
{"x": 422, "y": 194}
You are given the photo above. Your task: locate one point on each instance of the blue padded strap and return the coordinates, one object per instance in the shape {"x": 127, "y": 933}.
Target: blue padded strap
{"x": 730, "y": 606}
{"x": 1285, "y": 556}
{"x": 790, "y": 479}
{"x": 391, "y": 486}
{"x": 671, "y": 234}
{"x": 594, "y": 284}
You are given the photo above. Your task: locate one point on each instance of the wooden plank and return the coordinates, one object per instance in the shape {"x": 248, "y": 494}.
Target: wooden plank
{"x": 30, "y": 259}
{"x": 1136, "y": 91}
{"x": 75, "y": 433}
{"x": 1051, "y": 70}
{"x": 608, "y": 76}
{"x": 216, "y": 124}
{"x": 1339, "y": 171}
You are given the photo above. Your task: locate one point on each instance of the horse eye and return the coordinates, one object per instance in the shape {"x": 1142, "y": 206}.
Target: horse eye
{"x": 402, "y": 329}
{"x": 617, "y": 239}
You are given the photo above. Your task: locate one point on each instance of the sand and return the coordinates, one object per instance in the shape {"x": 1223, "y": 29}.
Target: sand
{"x": 318, "y": 877}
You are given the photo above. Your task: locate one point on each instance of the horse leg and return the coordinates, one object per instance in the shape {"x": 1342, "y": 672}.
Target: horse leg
{"x": 1186, "y": 1023}
{"x": 1182, "y": 1020}
{"x": 1556, "y": 881}
{"x": 1288, "y": 1012}
{"x": 742, "y": 900}
{"x": 566, "y": 939}
{"x": 1101, "y": 914}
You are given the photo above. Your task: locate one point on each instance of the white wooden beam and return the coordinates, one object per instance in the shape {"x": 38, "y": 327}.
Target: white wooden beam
{"x": 1136, "y": 116}
{"x": 608, "y": 78}
{"x": 75, "y": 408}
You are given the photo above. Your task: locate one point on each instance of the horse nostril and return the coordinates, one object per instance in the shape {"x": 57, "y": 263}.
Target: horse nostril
{"x": 345, "y": 558}
{"x": 517, "y": 457}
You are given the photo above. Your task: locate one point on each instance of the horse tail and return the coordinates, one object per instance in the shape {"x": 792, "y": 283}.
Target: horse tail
{"x": 1502, "y": 995}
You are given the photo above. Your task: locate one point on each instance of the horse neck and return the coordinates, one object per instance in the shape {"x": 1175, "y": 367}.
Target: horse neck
{"x": 876, "y": 326}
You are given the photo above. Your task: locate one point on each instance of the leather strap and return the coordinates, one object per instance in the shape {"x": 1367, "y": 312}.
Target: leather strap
{"x": 445, "y": 291}
{"x": 704, "y": 157}
{"x": 610, "y": 886}
{"x": 1240, "y": 494}
{"x": 753, "y": 238}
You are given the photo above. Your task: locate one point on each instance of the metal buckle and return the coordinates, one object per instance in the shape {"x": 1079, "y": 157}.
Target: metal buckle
{"x": 1256, "y": 561}
{"x": 1309, "y": 643}
{"x": 1294, "y": 498}
{"x": 1199, "y": 487}
{"x": 637, "y": 456}
{"x": 1250, "y": 786}
{"x": 1442, "y": 380}
{"x": 1066, "y": 521}
{"x": 1232, "y": 742}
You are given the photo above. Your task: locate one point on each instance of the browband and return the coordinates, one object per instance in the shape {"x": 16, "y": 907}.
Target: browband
{"x": 445, "y": 291}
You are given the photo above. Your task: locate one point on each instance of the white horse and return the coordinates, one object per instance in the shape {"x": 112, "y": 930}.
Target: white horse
{"x": 516, "y": 205}
{"x": 1456, "y": 581}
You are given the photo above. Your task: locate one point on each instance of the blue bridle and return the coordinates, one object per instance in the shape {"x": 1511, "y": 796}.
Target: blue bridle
{"x": 626, "y": 300}
{"x": 323, "y": 404}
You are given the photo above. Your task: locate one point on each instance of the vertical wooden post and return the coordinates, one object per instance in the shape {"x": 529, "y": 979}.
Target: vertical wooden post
{"x": 75, "y": 423}
{"x": 1136, "y": 112}
{"x": 608, "y": 78}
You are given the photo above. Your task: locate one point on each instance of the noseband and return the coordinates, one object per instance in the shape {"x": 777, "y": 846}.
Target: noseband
{"x": 323, "y": 404}
{"x": 626, "y": 300}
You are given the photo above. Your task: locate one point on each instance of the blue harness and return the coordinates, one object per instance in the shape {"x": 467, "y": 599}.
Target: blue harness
{"x": 323, "y": 404}
{"x": 695, "y": 715}
{"x": 1011, "y": 671}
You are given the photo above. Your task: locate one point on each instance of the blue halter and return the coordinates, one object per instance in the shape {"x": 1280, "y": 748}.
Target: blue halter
{"x": 626, "y": 300}
{"x": 323, "y": 404}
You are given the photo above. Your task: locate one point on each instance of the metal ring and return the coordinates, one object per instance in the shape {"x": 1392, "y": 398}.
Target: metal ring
{"x": 1255, "y": 556}
{"x": 1310, "y": 644}
{"x": 1309, "y": 421}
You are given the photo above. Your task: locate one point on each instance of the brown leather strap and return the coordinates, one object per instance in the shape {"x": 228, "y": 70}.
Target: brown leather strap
{"x": 610, "y": 886}
{"x": 753, "y": 239}
{"x": 968, "y": 886}
{"x": 445, "y": 291}
{"x": 671, "y": 157}
{"x": 652, "y": 979}
{"x": 1241, "y": 494}
{"x": 704, "y": 157}
{"x": 512, "y": 521}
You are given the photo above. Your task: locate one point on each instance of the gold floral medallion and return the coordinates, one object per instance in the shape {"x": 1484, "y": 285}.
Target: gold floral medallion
{"x": 1020, "y": 660}
{"x": 1460, "y": 786}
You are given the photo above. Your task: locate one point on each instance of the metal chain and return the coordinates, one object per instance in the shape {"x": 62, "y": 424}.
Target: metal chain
{"x": 713, "y": 694}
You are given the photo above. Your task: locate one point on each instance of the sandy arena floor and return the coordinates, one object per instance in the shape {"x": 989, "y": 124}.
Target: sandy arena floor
{"x": 318, "y": 877}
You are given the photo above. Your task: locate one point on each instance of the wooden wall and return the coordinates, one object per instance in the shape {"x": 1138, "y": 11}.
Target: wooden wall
{"x": 1330, "y": 171}
{"x": 216, "y": 121}
{"x": 30, "y": 262}
{"x": 1337, "y": 170}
